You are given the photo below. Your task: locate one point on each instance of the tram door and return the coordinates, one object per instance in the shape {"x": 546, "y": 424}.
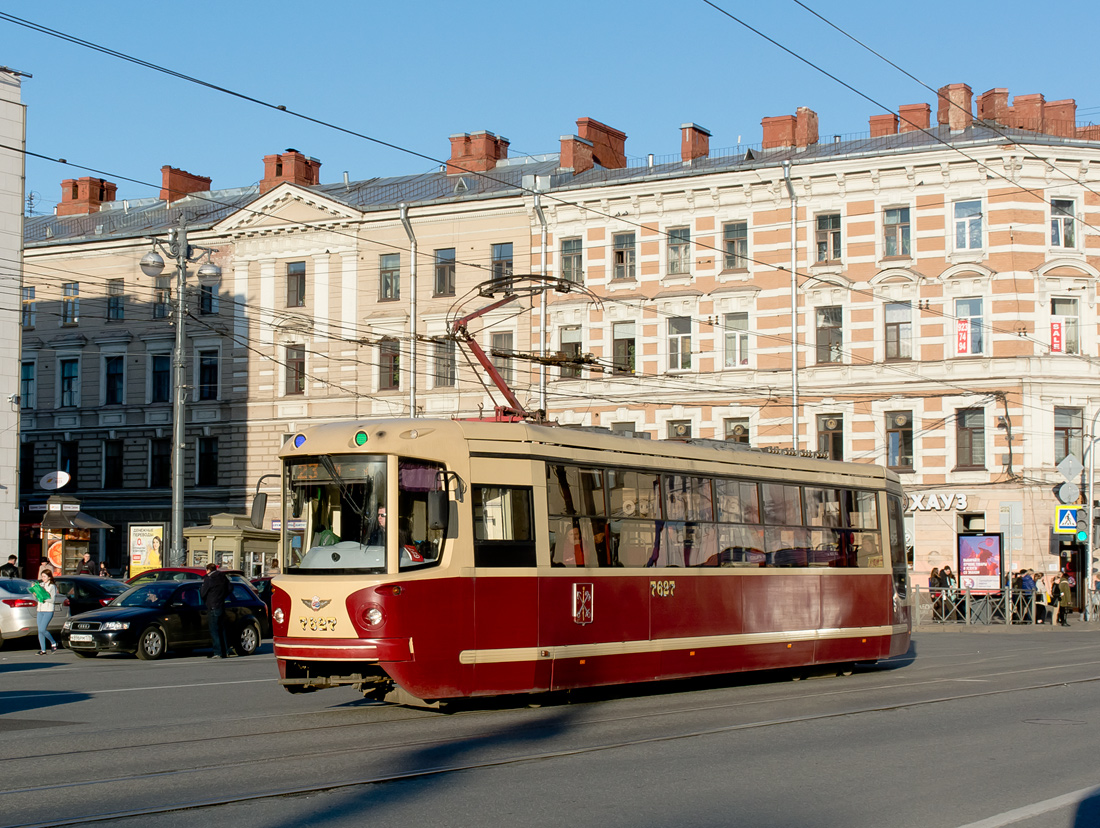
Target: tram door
{"x": 505, "y": 579}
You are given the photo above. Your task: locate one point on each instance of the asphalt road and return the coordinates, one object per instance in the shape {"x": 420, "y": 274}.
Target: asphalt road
{"x": 970, "y": 730}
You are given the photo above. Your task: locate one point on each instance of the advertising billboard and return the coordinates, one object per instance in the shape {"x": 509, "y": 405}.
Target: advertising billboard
{"x": 146, "y": 542}
{"x": 981, "y": 561}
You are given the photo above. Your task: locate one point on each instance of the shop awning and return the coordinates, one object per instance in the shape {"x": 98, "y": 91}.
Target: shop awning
{"x": 55, "y": 520}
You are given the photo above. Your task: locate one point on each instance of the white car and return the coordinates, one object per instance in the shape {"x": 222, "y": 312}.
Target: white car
{"x": 19, "y": 611}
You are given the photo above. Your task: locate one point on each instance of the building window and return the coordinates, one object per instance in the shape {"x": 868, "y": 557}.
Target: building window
{"x": 70, "y": 382}
{"x": 67, "y": 460}
{"x": 899, "y": 330}
{"x": 736, "y": 239}
{"x": 968, "y": 225}
{"x": 737, "y": 429}
{"x": 970, "y": 438}
{"x": 502, "y": 348}
{"x": 208, "y": 375}
{"x": 112, "y": 464}
{"x": 623, "y": 250}
{"x": 622, "y": 347}
{"x": 502, "y": 261}
{"x": 115, "y": 292}
{"x": 679, "y": 251}
{"x": 571, "y": 349}
{"x": 679, "y": 429}
{"x": 161, "y": 381}
{"x": 160, "y": 463}
{"x": 208, "y": 299}
{"x": 830, "y": 334}
{"x": 830, "y": 436}
{"x": 445, "y": 272}
{"x": 1063, "y": 326}
{"x": 207, "y": 472}
{"x": 896, "y": 231}
{"x": 389, "y": 365}
{"x": 28, "y": 307}
{"x": 737, "y": 339}
{"x": 389, "y": 269}
{"x": 1068, "y": 431}
{"x": 295, "y": 369}
{"x": 28, "y": 385}
{"x": 295, "y": 284}
{"x": 828, "y": 237}
{"x": 444, "y": 363}
{"x": 70, "y": 303}
{"x": 572, "y": 261}
{"x": 1061, "y": 222}
{"x": 162, "y": 296}
{"x": 968, "y": 326}
{"x": 679, "y": 343}
{"x": 623, "y": 429}
{"x": 114, "y": 380}
{"x": 899, "y": 440}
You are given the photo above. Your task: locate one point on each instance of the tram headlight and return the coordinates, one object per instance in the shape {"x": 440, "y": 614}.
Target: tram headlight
{"x": 278, "y": 616}
{"x": 373, "y": 616}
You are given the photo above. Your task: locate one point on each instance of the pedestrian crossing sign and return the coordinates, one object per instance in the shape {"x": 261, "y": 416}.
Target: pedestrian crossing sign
{"x": 1065, "y": 521}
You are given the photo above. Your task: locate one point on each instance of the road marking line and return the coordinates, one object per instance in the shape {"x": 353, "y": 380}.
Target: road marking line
{"x": 1035, "y": 809}
{"x": 140, "y": 689}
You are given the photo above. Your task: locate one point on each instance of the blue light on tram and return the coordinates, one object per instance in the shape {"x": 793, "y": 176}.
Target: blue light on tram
{"x": 299, "y": 439}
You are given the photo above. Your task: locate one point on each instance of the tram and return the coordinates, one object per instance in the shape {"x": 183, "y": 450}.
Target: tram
{"x": 427, "y": 560}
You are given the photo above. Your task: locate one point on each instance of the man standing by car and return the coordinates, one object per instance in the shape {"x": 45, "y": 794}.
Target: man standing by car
{"x": 9, "y": 570}
{"x": 214, "y": 591}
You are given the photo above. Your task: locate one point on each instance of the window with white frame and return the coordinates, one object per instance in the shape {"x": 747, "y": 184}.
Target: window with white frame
{"x": 679, "y": 246}
{"x": 28, "y": 307}
{"x": 736, "y": 327}
{"x": 679, "y": 343}
{"x": 572, "y": 261}
{"x": 295, "y": 284}
{"x": 114, "y": 379}
{"x": 830, "y": 436}
{"x": 70, "y": 303}
{"x": 116, "y": 291}
{"x": 570, "y": 349}
{"x": 679, "y": 429}
{"x": 736, "y": 429}
{"x": 502, "y": 261}
{"x": 162, "y": 296}
{"x": 895, "y": 228}
{"x": 899, "y": 440}
{"x": 503, "y": 346}
{"x": 623, "y": 252}
{"x": 623, "y": 347}
{"x": 209, "y": 374}
{"x": 389, "y": 274}
{"x": 445, "y": 272}
{"x": 970, "y": 438}
{"x": 1061, "y": 222}
{"x": 899, "y": 330}
{"x": 1068, "y": 433}
{"x": 160, "y": 378}
{"x": 968, "y": 225}
{"x": 1063, "y": 326}
{"x": 830, "y": 334}
{"x": 828, "y": 237}
{"x": 28, "y": 384}
{"x": 445, "y": 363}
{"x": 968, "y": 326}
{"x": 735, "y": 238}
{"x": 295, "y": 369}
{"x": 208, "y": 299}
{"x": 69, "y": 377}
{"x": 389, "y": 365}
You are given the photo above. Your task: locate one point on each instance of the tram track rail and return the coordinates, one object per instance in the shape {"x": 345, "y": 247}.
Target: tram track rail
{"x": 413, "y": 774}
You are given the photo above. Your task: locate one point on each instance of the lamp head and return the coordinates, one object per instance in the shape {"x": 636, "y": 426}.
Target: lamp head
{"x": 209, "y": 274}
{"x": 152, "y": 264}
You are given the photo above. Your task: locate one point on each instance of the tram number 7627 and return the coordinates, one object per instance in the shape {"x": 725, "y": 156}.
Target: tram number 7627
{"x": 662, "y": 589}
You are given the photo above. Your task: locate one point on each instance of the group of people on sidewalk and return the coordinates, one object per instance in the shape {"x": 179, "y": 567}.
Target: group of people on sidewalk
{"x": 1053, "y": 607}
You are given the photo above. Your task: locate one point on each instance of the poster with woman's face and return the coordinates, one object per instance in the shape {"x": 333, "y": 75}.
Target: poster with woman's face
{"x": 146, "y": 541}
{"x": 980, "y": 561}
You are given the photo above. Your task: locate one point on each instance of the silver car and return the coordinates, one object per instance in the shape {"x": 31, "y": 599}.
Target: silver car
{"x": 19, "y": 611}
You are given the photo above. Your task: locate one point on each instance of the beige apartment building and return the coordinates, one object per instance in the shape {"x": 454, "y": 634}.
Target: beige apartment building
{"x": 945, "y": 309}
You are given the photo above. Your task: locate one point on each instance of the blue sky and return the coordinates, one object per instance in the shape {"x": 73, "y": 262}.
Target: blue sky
{"x": 412, "y": 73}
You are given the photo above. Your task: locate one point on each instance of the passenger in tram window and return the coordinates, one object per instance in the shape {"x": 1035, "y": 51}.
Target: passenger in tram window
{"x": 377, "y": 534}
{"x": 571, "y": 547}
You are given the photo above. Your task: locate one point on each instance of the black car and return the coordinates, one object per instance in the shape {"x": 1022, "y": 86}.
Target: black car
{"x": 262, "y": 585}
{"x": 153, "y": 618}
{"x": 88, "y": 592}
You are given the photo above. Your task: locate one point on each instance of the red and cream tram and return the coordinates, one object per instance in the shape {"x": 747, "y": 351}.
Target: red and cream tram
{"x": 435, "y": 559}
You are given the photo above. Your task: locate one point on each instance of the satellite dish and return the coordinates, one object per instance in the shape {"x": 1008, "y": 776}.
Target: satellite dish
{"x": 55, "y": 480}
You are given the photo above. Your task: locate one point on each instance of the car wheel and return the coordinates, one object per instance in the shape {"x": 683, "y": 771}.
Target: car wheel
{"x": 151, "y": 645}
{"x": 250, "y": 640}
{"x": 80, "y": 654}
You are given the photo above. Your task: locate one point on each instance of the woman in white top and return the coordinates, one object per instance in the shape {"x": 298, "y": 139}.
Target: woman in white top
{"x": 45, "y": 612}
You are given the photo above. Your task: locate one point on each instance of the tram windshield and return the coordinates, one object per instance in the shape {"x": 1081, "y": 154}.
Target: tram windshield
{"x": 337, "y": 517}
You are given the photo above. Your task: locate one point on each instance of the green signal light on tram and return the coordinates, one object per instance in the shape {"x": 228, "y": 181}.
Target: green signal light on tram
{"x": 360, "y": 438}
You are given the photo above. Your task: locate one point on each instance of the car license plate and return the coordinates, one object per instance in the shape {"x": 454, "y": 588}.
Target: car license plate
{"x": 80, "y": 638}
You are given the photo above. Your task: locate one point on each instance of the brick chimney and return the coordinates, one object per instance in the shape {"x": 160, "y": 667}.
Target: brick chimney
{"x": 954, "y": 110}
{"x": 608, "y": 144}
{"x": 476, "y": 152}
{"x": 993, "y": 106}
{"x": 576, "y": 154}
{"x": 884, "y": 125}
{"x": 798, "y": 130}
{"x": 290, "y": 166}
{"x": 81, "y": 196}
{"x": 176, "y": 184}
{"x": 1060, "y": 118}
{"x": 694, "y": 142}
{"x": 914, "y": 117}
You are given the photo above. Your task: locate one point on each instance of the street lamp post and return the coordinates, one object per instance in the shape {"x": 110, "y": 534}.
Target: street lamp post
{"x": 152, "y": 264}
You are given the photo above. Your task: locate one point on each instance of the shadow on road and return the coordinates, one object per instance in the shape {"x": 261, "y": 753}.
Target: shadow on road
{"x": 15, "y": 701}
{"x": 1088, "y": 812}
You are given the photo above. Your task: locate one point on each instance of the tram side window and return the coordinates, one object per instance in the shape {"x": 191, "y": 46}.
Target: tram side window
{"x": 503, "y": 526}
{"x": 688, "y": 498}
{"x": 571, "y": 490}
{"x": 897, "y": 545}
{"x": 738, "y": 501}
{"x": 782, "y": 504}
{"x": 632, "y": 494}
{"x": 418, "y": 546}
{"x": 861, "y": 509}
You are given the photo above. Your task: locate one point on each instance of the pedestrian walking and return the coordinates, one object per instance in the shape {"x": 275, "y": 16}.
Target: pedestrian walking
{"x": 214, "y": 590}
{"x": 87, "y": 565}
{"x": 1065, "y": 600}
{"x": 103, "y": 571}
{"x": 10, "y": 569}
{"x": 45, "y": 611}
{"x": 1040, "y": 598}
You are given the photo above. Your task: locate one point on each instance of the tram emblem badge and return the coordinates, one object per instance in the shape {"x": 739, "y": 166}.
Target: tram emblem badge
{"x": 316, "y": 603}
{"x": 582, "y": 603}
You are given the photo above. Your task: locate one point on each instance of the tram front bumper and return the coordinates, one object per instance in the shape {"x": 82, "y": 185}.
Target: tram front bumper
{"x": 343, "y": 649}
